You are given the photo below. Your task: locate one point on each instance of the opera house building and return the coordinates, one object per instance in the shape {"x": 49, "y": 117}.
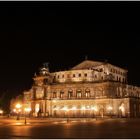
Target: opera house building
{"x": 89, "y": 89}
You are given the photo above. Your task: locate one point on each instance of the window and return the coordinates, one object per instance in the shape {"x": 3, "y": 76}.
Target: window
{"x": 79, "y": 93}
{"x": 63, "y": 76}
{"x": 58, "y": 76}
{"x": 119, "y": 79}
{"x": 79, "y": 74}
{"x": 68, "y": 76}
{"x": 70, "y": 93}
{"x": 54, "y": 94}
{"x": 85, "y": 74}
{"x": 61, "y": 94}
{"x": 95, "y": 76}
{"x": 87, "y": 93}
{"x": 73, "y": 75}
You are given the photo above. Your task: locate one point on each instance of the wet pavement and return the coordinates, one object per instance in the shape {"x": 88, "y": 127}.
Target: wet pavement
{"x": 75, "y": 128}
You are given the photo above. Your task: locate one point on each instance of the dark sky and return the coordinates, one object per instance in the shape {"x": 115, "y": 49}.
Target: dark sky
{"x": 62, "y": 33}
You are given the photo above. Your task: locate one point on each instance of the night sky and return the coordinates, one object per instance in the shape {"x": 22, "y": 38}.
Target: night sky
{"x": 63, "y": 33}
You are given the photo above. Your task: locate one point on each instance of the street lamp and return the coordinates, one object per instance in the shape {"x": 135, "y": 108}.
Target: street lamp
{"x": 18, "y": 110}
{"x": 95, "y": 109}
{"x": 27, "y": 110}
{"x": 1, "y": 112}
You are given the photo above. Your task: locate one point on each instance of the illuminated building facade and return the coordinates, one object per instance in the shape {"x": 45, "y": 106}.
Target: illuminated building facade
{"x": 90, "y": 89}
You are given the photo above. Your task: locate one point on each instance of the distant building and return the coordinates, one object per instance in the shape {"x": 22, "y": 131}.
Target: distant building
{"x": 89, "y": 89}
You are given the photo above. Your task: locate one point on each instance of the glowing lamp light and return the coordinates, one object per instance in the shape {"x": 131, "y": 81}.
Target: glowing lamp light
{"x": 1, "y": 111}
{"x": 18, "y": 106}
{"x": 27, "y": 109}
{"x": 94, "y": 108}
{"x": 74, "y": 108}
{"x": 65, "y": 108}
{"x": 14, "y": 110}
{"x": 56, "y": 108}
{"x": 110, "y": 108}
{"x": 83, "y": 108}
{"x": 54, "y": 101}
{"x": 88, "y": 106}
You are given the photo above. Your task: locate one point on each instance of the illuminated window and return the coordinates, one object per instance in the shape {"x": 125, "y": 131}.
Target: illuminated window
{"x": 37, "y": 108}
{"x": 61, "y": 94}
{"x": 87, "y": 93}
{"x": 70, "y": 92}
{"x": 79, "y": 93}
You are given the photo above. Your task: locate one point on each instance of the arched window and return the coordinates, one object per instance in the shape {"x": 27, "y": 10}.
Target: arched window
{"x": 87, "y": 93}
{"x": 79, "y": 74}
{"x": 54, "y": 94}
{"x": 79, "y": 93}
{"x": 73, "y": 75}
{"x": 61, "y": 94}
{"x": 119, "y": 79}
{"x": 85, "y": 74}
{"x": 95, "y": 76}
{"x": 70, "y": 92}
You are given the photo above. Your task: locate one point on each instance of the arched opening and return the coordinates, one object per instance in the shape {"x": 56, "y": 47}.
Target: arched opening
{"x": 79, "y": 93}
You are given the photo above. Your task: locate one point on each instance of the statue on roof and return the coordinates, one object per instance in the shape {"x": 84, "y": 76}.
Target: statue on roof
{"x": 46, "y": 64}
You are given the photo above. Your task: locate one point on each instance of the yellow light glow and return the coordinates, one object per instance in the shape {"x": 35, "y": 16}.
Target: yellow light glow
{"x": 88, "y": 106}
{"x": 65, "y": 108}
{"x": 74, "y": 108}
{"x": 110, "y": 108}
{"x": 54, "y": 101}
{"x": 14, "y": 110}
{"x": 83, "y": 108}
{"x": 27, "y": 109}
{"x": 18, "y": 106}
{"x": 1, "y": 111}
{"x": 94, "y": 108}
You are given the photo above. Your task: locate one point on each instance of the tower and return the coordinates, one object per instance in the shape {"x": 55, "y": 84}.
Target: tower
{"x": 43, "y": 76}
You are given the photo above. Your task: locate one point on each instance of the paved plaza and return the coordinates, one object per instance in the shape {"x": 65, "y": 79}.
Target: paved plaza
{"x": 72, "y": 128}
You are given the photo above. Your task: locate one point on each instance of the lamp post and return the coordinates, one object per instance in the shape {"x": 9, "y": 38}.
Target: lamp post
{"x": 27, "y": 110}
{"x": 18, "y": 110}
{"x": 1, "y": 112}
{"x": 95, "y": 109}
